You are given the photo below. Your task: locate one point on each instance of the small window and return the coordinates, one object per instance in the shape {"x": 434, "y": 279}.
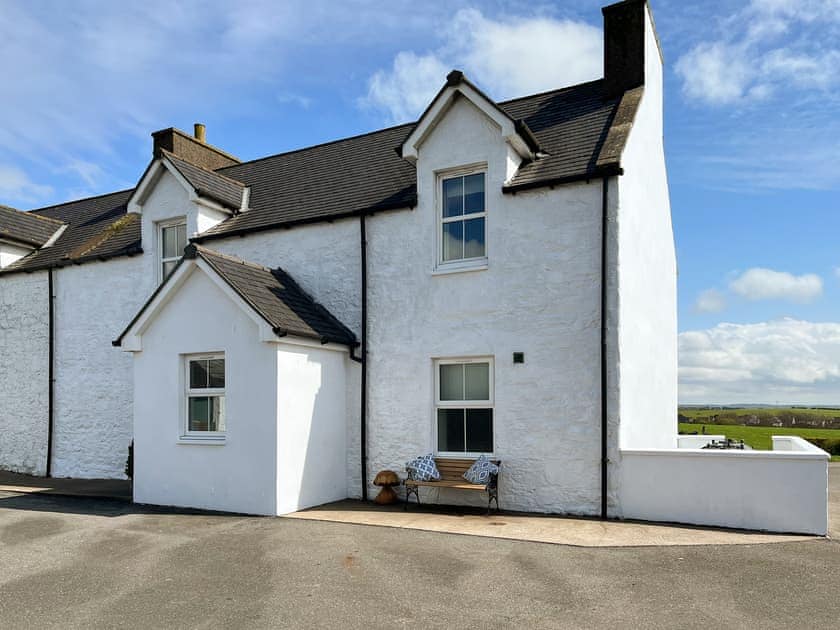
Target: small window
{"x": 205, "y": 395}
{"x": 462, "y": 218}
{"x": 173, "y": 240}
{"x": 464, "y": 393}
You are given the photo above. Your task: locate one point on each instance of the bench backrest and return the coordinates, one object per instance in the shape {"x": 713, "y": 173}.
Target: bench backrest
{"x": 454, "y": 469}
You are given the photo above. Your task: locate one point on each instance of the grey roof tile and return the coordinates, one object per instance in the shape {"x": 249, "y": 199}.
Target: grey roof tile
{"x": 26, "y": 228}
{"x": 277, "y": 298}
{"x": 207, "y": 183}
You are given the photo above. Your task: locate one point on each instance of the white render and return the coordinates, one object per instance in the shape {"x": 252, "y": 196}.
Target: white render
{"x": 539, "y": 294}
{"x": 284, "y": 447}
{"x": 24, "y": 375}
{"x": 647, "y": 275}
{"x": 783, "y": 490}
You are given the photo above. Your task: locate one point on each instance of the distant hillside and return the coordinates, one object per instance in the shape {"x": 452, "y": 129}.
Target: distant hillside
{"x": 802, "y": 417}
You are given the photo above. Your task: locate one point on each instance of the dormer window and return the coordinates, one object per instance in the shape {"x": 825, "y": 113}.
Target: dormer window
{"x": 462, "y": 216}
{"x": 172, "y": 239}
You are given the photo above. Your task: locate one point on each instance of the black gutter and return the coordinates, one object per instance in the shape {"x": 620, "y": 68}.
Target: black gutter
{"x": 363, "y": 427}
{"x": 607, "y": 170}
{"x": 51, "y": 372}
{"x": 408, "y": 204}
{"x": 604, "y": 295}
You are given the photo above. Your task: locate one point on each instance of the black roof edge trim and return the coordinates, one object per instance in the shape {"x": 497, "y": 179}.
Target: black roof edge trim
{"x": 524, "y": 130}
{"x": 134, "y": 251}
{"x": 610, "y": 170}
{"x": 408, "y": 205}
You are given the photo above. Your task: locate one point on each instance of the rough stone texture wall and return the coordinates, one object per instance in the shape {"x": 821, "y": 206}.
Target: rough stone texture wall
{"x": 540, "y": 295}
{"x": 324, "y": 258}
{"x": 24, "y": 372}
{"x": 94, "y": 380}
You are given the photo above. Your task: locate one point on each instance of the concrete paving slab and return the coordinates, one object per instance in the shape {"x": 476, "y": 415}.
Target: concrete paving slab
{"x": 579, "y": 532}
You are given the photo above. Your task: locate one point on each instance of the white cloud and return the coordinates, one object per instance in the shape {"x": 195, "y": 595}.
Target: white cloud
{"x": 766, "y": 284}
{"x": 16, "y": 184}
{"x": 509, "y": 57}
{"x": 749, "y": 60}
{"x": 406, "y": 89}
{"x": 710, "y": 301}
{"x": 785, "y": 361}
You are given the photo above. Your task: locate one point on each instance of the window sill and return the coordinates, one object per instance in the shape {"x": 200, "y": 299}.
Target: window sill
{"x": 206, "y": 441}
{"x": 448, "y": 268}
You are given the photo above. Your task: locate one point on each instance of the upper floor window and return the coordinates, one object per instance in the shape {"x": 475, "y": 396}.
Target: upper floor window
{"x": 172, "y": 237}
{"x": 462, "y": 218}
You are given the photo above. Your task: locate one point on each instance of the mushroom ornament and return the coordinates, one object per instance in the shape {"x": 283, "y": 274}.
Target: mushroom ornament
{"x": 386, "y": 479}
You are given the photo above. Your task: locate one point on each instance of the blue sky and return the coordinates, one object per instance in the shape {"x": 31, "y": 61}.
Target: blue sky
{"x": 752, "y": 132}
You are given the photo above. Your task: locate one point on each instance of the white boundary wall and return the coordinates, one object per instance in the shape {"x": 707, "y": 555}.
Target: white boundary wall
{"x": 783, "y": 490}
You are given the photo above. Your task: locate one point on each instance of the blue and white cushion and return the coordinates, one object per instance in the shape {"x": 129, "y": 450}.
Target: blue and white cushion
{"x": 481, "y": 470}
{"x": 423, "y": 468}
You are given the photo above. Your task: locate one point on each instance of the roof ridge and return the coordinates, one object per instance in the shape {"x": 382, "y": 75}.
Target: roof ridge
{"x": 67, "y": 203}
{"x": 320, "y": 145}
{"x": 562, "y": 89}
{"x": 169, "y": 154}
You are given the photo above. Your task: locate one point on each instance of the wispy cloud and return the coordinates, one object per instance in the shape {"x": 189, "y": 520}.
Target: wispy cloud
{"x": 788, "y": 361}
{"x": 510, "y": 56}
{"x": 763, "y": 82}
{"x": 710, "y": 301}
{"x": 761, "y": 50}
{"x": 16, "y": 184}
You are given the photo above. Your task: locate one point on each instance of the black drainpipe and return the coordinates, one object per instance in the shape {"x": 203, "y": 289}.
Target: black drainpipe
{"x": 51, "y": 371}
{"x": 604, "y": 294}
{"x": 363, "y": 428}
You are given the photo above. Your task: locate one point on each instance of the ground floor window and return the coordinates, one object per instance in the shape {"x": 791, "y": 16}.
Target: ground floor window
{"x": 464, "y": 405}
{"x": 205, "y": 395}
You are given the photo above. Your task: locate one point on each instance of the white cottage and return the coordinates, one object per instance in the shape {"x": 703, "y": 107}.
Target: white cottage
{"x": 496, "y": 278}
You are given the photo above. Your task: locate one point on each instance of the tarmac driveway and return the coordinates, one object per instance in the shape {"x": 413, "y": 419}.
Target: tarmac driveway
{"x": 73, "y": 563}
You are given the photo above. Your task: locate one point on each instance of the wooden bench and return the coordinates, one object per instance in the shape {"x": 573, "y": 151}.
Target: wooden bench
{"x": 452, "y": 476}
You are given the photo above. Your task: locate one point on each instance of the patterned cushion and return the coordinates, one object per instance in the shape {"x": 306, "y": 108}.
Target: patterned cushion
{"x": 481, "y": 470}
{"x": 423, "y": 468}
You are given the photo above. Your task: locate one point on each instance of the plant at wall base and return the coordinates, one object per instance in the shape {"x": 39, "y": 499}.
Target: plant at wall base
{"x": 129, "y": 462}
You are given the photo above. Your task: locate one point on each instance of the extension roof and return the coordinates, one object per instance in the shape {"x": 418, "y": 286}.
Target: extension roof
{"x": 271, "y": 293}
{"x": 580, "y": 134}
{"x": 26, "y": 228}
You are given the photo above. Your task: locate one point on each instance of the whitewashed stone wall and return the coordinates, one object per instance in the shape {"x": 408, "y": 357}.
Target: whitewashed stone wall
{"x": 24, "y": 372}
{"x": 94, "y": 380}
{"x": 539, "y": 295}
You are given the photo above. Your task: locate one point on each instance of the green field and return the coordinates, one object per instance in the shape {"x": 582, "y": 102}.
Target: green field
{"x": 698, "y": 414}
{"x": 758, "y": 437}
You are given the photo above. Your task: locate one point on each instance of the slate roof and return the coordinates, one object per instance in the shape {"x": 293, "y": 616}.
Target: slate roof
{"x": 272, "y": 293}
{"x": 98, "y": 228}
{"x": 207, "y": 183}
{"x": 574, "y": 126}
{"x": 26, "y": 228}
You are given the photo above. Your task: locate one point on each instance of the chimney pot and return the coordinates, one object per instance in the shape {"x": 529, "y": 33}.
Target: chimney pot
{"x": 200, "y": 133}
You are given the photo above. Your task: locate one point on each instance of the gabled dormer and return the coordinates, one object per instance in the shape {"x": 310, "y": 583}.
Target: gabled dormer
{"x": 521, "y": 142}
{"x": 23, "y": 232}
{"x": 180, "y": 195}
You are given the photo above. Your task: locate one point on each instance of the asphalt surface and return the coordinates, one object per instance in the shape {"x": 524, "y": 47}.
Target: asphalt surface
{"x": 90, "y": 563}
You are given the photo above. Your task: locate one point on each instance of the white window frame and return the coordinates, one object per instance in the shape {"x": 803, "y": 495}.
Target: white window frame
{"x": 160, "y": 225}
{"x": 187, "y": 392}
{"x": 463, "y": 404}
{"x": 461, "y": 264}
